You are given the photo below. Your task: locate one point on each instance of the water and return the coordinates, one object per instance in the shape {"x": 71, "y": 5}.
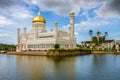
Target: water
{"x": 86, "y": 67}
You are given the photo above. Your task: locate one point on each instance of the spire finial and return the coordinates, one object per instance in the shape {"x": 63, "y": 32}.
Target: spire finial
{"x": 39, "y": 12}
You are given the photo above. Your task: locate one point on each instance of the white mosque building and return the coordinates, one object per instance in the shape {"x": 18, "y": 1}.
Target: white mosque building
{"x": 40, "y": 39}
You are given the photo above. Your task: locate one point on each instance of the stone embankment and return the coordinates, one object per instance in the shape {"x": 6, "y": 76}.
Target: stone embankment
{"x": 32, "y": 53}
{"x": 67, "y": 52}
{"x": 51, "y": 52}
{"x": 60, "y": 52}
{"x": 103, "y": 52}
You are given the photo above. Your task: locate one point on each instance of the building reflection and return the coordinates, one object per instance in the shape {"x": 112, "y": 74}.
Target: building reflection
{"x": 46, "y": 68}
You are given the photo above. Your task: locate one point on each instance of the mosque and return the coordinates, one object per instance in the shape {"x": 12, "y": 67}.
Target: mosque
{"x": 40, "y": 39}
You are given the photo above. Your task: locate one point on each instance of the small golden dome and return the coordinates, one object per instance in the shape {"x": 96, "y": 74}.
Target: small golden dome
{"x": 38, "y": 18}
{"x": 72, "y": 13}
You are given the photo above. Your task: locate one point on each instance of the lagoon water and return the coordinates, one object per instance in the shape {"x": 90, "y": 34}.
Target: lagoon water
{"x": 84, "y": 67}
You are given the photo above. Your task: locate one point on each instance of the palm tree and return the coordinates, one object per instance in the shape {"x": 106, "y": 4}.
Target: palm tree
{"x": 98, "y": 33}
{"x": 91, "y": 33}
{"x": 105, "y": 34}
{"x": 98, "y": 36}
{"x": 82, "y": 42}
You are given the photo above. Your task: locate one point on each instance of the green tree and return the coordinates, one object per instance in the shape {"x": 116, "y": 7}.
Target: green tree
{"x": 94, "y": 40}
{"x": 56, "y": 46}
{"x": 98, "y": 36}
{"x": 7, "y": 47}
{"x": 91, "y": 33}
{"x": 82, "y": 42}
{"x": 106, "y": 34}
{"x": 98, "y": 33}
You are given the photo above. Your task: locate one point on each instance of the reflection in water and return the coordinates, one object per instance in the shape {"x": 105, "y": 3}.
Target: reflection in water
{"x": 86, "y": 67}
{"x": 45, "y": 68}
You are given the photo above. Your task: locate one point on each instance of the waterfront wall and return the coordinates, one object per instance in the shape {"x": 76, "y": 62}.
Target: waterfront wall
{"x": 67, "y": 52}
{"x": 58, "y": 52}
{"x": 103, "y": 52}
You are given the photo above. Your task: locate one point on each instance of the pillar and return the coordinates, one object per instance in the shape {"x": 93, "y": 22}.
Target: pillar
{"x": 18, "y": 39}
{"x": 71, "y": 30}
{"x": 36, "y": 32}
{"x": 25, "y": 35}
{"x": 56, "y": 29}
{"x": 72, "y": 24}
{"x": 25, "y": 31}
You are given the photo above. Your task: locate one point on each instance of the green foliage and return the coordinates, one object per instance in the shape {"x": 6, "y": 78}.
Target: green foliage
{"x": 75, "y": 49}
{"x": 90, "y": 32}
{"x": 97, "y": 41}
{"x": 7, "y": 47}
{"x": 56, "y": 46}
{"x": 101, "y": 40}
{"x": 94, "y": 40}
{"x": 106, "y": 33}
{"x": 98, "y": 33}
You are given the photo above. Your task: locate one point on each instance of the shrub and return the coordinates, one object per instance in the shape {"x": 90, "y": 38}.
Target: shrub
{"x": 56, "y": 46}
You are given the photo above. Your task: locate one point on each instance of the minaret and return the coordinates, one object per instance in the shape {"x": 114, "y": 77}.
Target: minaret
{"x": 71, "y": 30}
{"x": 18, "y": 39}
{"x": 72, "y": 24}
{"x": 56, "y": 29}
{"x": 25, "y": 36}
{"x": 25, "y": 31}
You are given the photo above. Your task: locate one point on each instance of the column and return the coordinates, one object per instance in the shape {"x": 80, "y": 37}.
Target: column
{"x": 36, "y": 31}
{"x": 72, "y": 24}
{"x": 56, "y": 29}
{"x": 18, "y": 39}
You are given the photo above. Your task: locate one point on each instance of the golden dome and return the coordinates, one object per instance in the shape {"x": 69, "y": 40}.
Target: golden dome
{"x": 38, "y": 18}
{"x": 72, "y": 13}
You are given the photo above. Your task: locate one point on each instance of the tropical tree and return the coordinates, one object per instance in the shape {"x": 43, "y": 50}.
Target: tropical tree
{"x": 105, "y": 34}
{"x": 98, "y": 36}
{"x": 91, "y": 33}
{"x": 82, "y": 42}
{"x": 98, "y": 33}
{"x": 56, "y": 46}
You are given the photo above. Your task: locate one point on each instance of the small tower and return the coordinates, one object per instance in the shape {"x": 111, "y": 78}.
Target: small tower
{"x": 56, "y": 29}
{"x": 25, "y": 31}
{"x": 25, "y": 36}
{"x": 71, "y": 30}
{"x": 72, "y": 24}
{"x": 18, "y": 40}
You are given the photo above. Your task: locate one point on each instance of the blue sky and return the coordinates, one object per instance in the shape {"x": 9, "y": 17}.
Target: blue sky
{"x": 102, "y": 15}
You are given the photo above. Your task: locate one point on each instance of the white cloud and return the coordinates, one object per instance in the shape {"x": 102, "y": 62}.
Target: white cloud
{"x": 94, "y": 23}
{"x": 76, "y": 33}
{"x": 63, "y": 7}
{"x": 110, "y": 8}
{"x": 20, "y": 12}
{"x": 5, "y": 21}
{"x": 4, "y": 34}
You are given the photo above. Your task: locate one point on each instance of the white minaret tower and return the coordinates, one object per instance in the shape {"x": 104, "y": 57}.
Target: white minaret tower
{"x": 25, "y": 35}
{"x": 71, "y": 30}
{"x": 18, "y": 40}
{"x": 72, "y": 24}
{"x": 56, "y": 29}
{"x": 25, "y": 31}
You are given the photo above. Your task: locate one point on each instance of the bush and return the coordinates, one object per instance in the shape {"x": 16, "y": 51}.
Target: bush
{"x": 56, "y": 46}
